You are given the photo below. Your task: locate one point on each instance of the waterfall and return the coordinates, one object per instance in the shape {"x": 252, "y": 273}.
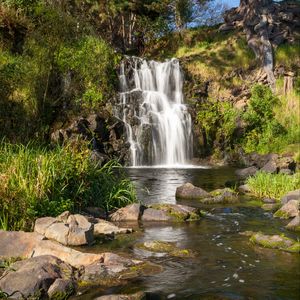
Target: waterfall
{"x": 158, "y": 124}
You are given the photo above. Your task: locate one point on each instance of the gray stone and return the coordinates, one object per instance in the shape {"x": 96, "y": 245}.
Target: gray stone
{"x": 34, "y": 276}
{"x": 42, "y": 224}
{"x": 245, "y": 188}
{"x": 189, "y": 191}
{"x": 250, "y": 171}
{"x": 290, "y": 196}
{"x": 286, "y": 171}
{"x": 130, "y": 212}
{"x": 294, "y": 224}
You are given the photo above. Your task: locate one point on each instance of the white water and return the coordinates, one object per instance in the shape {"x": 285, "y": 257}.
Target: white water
{"x": 158, "y": 125}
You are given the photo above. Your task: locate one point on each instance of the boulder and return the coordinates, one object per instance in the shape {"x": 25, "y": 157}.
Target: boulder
{"x": 58, "y": 232}
{"x": 42, "y": 224}
{"x": 107, "y": 228}
{"x": 290, "y": 196}
{"x": 151, "y": 214}
{"x": 130, "y": 212}
{"x": 221, "y": 196}
{"x": 33, "y": 277}
{"x": 63, "y": 217}
{"x": 61, "y": 289}
{"x": 270, "y": 167}
{"x": 294, "y": 224}
{"x": 288, "y": 210}
{"x": 177, "y": 212}
{"x": 189, "y": 191}
{"x": 275, "y": 242}
{"x": 246, "y": 172}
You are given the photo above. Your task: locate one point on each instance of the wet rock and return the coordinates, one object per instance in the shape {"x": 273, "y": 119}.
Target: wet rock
{"x": 294, "y": 224}
{"x": 33, "y": 277}
{"x": 130, "y": 212}
{"x": 151, "y": 214}
{"x": 107, "y": 228}
{"x": 250, "y": 171}
{"x": 270, "y": 206}
{"x": 245, "y": 188}
{"x": 288, "y": 210}
{"x": 275, "y": 242}
{"x": 136, "y": 296}
{"x": 165, "y": 247}
{"x": 293, "y": 195}
{"x": 189, "y": 191}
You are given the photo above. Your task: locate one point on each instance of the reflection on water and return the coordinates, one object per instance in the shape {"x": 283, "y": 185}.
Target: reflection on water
{"x": 226, "y": 265}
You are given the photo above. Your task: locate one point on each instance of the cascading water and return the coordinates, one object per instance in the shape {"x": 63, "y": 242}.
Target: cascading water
{"x": 158, "y": 124}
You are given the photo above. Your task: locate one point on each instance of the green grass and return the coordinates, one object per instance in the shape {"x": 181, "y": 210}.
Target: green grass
{"x": 273, "y": 185}
{"x": 36, "y": 181}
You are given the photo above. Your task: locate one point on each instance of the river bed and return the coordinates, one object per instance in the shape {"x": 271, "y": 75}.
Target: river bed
{"x": 226, "y": 265}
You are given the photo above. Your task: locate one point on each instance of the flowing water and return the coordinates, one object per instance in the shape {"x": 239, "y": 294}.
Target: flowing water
{"x": 158, "y": 124}
{"x": 226, "y": 265}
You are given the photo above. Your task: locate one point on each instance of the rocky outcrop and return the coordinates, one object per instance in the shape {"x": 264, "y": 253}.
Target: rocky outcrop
{"x": 275, "y": 242}
{"x": 38, "y": 277}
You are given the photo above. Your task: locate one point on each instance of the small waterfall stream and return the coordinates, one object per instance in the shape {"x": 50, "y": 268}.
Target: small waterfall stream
{"x": 158, "y": 124}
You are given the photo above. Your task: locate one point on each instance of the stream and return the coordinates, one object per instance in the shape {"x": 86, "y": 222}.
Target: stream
{"x": 226, "y": 265}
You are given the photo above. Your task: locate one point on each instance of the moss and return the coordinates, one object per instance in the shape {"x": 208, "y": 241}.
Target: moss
{"x": 275, "y": 242}
{"x": 182, "y": 253}
{"x": 193, "y": 217}
{"x": 281, "y": 214}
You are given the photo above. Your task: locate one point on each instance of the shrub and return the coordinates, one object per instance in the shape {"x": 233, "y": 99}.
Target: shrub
{"x": 273, "y": 185}
{"x": 37, "y": 182}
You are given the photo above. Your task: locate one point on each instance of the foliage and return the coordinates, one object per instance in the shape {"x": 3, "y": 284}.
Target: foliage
{"x": 37, "y": 181}
{"x": 273, "y": 185}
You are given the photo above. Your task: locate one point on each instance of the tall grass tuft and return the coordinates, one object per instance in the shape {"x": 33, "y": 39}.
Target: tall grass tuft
{"x": 274, "y": 186}
{"x": 36, "y": 181}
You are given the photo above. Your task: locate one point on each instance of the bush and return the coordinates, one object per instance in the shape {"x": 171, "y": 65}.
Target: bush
{"x": 273, "y": 185}
{"x": 36, "y": 181}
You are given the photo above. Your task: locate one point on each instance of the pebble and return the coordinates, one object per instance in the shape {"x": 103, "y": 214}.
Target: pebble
{"x": 235, "y": 276}
{"x": 226, "y": 279}
{"x": 171, "y": 296}
{"x": 241, "y": 280}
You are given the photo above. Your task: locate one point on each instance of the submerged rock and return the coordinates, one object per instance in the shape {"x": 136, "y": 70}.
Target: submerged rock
{"x": 136, "y": 296}
{"x": 165, "y": 247}
{"x": 288, "y": 210}
{"x": 37, "y": 278}
{"x": 275, "y": 242}
{"x": 189, "y": 191}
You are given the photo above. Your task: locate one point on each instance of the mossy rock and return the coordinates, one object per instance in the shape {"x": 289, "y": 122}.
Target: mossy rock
{"x": 178, "y": 213}
{"x": 280, "y": 242}
{"x": 270, "y": 206}
{"x": 144, "y": 269}
{"x": 221, "y": 196}
{"x": 165, "y": 247}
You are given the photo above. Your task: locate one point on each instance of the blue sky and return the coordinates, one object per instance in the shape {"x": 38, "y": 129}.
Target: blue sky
{"x": 232, "y": 3}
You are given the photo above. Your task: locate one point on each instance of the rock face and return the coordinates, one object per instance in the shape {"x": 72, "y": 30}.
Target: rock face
{"x": 67, "y": 229}
{"x": 288, "y": 210}
{"x": 38, "y": 277}
{"x": 189, "y": 191}
{"x": 275, "y": 242}
{"x": 130, "y": 212}
{"x": 293, "y": 195}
